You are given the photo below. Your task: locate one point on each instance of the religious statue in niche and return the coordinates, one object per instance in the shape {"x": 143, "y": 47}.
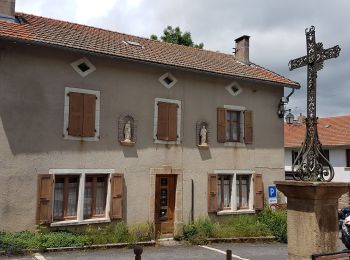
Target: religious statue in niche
{"x": 127, "y": 132}
{"x": 202, "y": 133}
{"x": 203, "y": 136}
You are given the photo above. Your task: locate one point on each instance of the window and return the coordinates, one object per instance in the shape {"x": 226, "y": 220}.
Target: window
{"x": 231, "y": 191}
{"x": 81, "y": 114}
{"x": 83, "y": 67}
{"x": 95, "y": 196}
{"x": 242, "y": 191}
{"x": 65, "y": 197}
{"x": 325, "y": 154}
{"x": 294, "y": 157}
{"x": 347, "y": 157}
{"x": 79, "y": 196}
{"x": 234, "y": 124}
{"x": 167, "y": 80}
{"x": 167, "y": 121}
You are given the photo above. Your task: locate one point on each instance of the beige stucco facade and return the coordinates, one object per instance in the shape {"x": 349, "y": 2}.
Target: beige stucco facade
{"x": 32, "y": 84}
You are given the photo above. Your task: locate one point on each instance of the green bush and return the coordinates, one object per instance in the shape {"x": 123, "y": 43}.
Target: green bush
{"x": 276, "y": 221}
{"x": 17, "y": 243}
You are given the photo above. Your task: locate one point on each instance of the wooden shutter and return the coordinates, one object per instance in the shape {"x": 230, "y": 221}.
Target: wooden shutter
{"x": 163, "y": 124}
{"x": 172, "y": 125}
{"x": 212, "y": 193}
{"x": 116, "y": 211}
{"x": 248, "y": 127}
{"x": 44, "y": 206}
{"x": 76, "y": 114}
{"x": 221, "y": 125}
{"x": 258, "y": 192}
{"x": 89, "y": 115}
{"x": 347, "y": 157}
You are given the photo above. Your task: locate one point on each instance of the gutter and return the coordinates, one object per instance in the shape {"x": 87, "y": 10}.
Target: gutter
{"x": 99, "y": 54}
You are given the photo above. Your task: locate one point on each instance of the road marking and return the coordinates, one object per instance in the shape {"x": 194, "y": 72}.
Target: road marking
{"x": 223, "y": 252}
{"x": 39, "y": 256}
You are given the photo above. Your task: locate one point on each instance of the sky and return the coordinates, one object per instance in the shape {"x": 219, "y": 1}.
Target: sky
{"x": 277, "y": 30}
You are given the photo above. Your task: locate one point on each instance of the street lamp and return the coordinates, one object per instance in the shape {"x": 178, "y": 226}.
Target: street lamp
{"x": 289, "y": 118}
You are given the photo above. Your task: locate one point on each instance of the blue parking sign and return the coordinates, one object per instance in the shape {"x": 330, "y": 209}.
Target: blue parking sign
{"x": 272, "y": 194}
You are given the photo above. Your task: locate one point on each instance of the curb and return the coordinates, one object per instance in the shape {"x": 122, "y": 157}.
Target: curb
{"x": 242, "y": 239}
{"x": 116, "y": 245}
{"x": 104, "y": 246}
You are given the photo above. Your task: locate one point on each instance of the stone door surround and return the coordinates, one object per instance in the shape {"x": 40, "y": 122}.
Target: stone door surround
{"x": 178, "y": 213}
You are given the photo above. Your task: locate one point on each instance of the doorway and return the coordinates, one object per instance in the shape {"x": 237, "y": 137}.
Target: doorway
{"x": 165, "y": 204}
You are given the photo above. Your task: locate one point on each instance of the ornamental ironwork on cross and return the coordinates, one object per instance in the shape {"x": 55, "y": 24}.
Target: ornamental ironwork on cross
{"x": 311, "y": 163}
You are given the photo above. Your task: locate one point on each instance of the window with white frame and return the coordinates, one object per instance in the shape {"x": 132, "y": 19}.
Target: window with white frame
{"x": 231, "y": 191}
{"x": 167, "y": 121}
{"x": 81, "y": 114}
{"x": 78, "y": 196}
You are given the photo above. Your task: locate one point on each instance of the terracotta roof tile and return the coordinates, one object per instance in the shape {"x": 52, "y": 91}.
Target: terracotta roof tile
{"x": 332, "y": 131}
{"x": 53, "y": 32}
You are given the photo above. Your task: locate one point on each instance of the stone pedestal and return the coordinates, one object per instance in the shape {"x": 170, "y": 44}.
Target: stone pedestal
{"x": 312, "y": 216}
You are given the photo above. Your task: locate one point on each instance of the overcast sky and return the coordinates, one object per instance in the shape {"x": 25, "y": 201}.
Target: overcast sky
{"x": 277, "y": 30}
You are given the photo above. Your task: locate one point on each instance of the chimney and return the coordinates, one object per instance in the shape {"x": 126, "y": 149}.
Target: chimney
{"x": 7, "y": 10}
{"x": 242, "y": 49}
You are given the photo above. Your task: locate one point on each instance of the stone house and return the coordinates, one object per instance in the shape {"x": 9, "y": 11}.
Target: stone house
{"x": 334, "y": 136}
{"x": 99, "y": 126}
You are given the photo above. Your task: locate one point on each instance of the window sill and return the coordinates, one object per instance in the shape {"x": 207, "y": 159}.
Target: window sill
{"x": 234, "y": 144}
{"x": 77, "y": 138}
{"x": 156, "y": 141}
{"x": 235, "y": 212}
{"x": 346, "y": 168}
{"x": 81, "y": 222}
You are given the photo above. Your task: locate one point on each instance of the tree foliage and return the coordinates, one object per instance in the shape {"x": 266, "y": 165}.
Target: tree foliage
{"x": 176, "y": 36}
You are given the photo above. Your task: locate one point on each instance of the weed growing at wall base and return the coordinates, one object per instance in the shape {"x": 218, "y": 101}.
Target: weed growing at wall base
{"x": 17, "y": 243}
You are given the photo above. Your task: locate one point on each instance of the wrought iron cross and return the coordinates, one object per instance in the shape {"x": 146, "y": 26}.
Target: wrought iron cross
{"x": 311, "y": 163}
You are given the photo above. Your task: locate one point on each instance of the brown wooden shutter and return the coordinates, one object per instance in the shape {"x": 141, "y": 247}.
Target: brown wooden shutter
{"x": 163, "y": 123}
{"x": 172, "y": 125}
{"x": 76, "y": 114}
{"x": 258, "y": 192}
{"x": 221, "y": 124}
{"x": 89, "y": 115}
{"x": 116, "y": 211}
{"x": 44, "y": 206}
{"x": 248, "y": 127}
{"x": 212, "y": 193}
{"x": 347, "y": 157}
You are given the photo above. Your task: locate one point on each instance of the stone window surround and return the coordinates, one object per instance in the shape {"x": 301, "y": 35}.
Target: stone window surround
{"x": 80, "y": 206}
{"x": 234, "y": 84}
{"x": 66, "y": 114}
{"x": 241, "y": 126}
{"x": 178, "y": 211}
{"x": 234, "y": 209}
{"x": 155, "y": 126}
{"x": 76, "y": 63}
{"x": 171, "y": 76}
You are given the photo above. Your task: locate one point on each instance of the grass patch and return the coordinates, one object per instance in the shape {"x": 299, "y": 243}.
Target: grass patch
{"x": 17, "y": 243}
{"x": 266, "y": 223}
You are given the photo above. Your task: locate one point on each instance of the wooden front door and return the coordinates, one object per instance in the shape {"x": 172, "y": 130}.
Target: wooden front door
{"x": 165, "y": 203}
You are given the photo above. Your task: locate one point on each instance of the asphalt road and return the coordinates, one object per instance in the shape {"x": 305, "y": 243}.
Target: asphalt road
{"x": 245, "y": 251}
{"x": 261, "y": 251}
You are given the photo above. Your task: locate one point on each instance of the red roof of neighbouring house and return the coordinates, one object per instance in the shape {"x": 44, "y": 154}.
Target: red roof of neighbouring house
{"x": 332, "y": 131}
{"x": 56, "y": 33}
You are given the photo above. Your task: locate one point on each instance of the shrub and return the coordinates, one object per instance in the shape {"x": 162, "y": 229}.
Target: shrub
{"x": 199, "y": 231}
{"x": 141, "y": 232}
{"x": 276, "y": 221}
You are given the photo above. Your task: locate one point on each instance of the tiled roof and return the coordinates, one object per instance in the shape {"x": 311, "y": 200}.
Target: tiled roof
{"x": 332, "y": 131}
{"x": 40, "y": 30}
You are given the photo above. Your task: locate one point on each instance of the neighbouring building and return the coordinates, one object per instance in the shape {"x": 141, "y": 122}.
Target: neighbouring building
{"x": 99, "y": 126}
{"x": 334, "y": 134}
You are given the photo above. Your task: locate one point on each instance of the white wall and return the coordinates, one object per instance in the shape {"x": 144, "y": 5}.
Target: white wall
{"x": 337, "y": 156}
